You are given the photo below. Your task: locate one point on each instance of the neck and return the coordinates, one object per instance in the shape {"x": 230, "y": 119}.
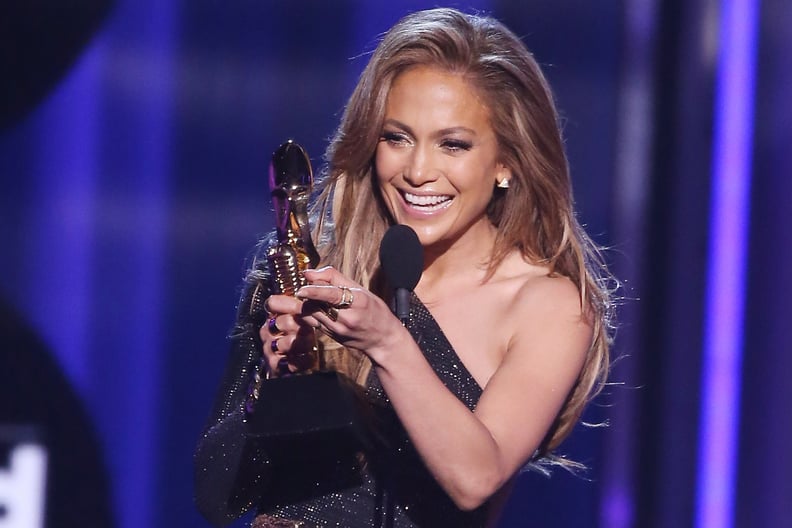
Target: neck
{"x": 464, "y": 260}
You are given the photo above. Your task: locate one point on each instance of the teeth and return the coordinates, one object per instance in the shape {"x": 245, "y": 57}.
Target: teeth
{"x": 433, "y": 201}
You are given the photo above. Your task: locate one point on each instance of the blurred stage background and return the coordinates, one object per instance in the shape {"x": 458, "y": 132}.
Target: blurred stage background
{"x": 133, "y": 151}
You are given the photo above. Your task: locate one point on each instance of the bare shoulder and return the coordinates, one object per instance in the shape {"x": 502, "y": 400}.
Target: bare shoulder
{"x": 535, "y": 288}
{"x": 540, "y": 292}
{"x": 547, "y": 341}
{"x": 545, "y": 314}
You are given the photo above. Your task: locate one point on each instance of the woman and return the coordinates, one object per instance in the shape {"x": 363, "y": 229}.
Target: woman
{"x": 452, "y": 131}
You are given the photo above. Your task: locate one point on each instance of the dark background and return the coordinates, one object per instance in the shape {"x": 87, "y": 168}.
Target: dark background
{"x": 134, "y": 142}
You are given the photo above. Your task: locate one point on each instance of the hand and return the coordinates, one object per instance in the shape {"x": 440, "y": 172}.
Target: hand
{"x": 288, "y": 338}
{"x": 350, "y": 314}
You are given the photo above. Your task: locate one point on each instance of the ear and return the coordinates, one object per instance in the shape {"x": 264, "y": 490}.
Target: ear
{"x": 502, "y": 177}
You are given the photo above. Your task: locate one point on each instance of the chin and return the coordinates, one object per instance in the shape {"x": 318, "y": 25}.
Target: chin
{"x": 427, "y": 237}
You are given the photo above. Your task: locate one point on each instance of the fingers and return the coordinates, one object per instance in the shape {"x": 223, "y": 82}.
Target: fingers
{"x": 327, "y": 293}
{"x": 289, "y": 353}
{"x": 325, "y": 305}
{"x": 280, "y": 324}
{"x": 282, "y": 304}
{"x": 296, "y": 349}
{"x": 327, "y": 276}
{"x": 340, "y": 297}
{"x": 288, "y": 344}
{"x": 330, "y": 303}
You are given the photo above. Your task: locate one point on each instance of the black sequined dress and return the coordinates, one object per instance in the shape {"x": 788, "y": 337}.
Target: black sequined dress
{"x": 392, "y": 488}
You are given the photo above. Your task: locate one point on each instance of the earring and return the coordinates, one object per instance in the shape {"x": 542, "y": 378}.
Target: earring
{"x": 503, "y": 184}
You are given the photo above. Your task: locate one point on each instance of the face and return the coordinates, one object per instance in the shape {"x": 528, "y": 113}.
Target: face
{"x": 437, "y": 158}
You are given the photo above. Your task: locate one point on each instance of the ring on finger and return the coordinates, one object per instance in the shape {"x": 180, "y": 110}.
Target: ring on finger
{"x": 274, "y": 345}
{"x": 347, "y": 298}
{"x": 332, "y": 313}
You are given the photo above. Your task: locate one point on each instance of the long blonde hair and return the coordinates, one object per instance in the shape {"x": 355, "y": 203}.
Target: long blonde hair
{"x": 535, "y": 215}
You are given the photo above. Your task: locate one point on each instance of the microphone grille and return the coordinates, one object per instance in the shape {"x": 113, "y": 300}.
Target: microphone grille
{"x": 401, "y": 257}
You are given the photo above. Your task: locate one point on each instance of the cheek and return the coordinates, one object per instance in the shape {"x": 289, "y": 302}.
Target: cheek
{"x": 470, "y": 176}
{"x": 478, "y": 187}
{"x": 386, "y": 165}
{"x": 383, "y": 173}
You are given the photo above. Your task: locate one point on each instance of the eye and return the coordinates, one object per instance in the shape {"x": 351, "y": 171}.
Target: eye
{"x": 455, "y": 145}
{"x": 395, "y": 138}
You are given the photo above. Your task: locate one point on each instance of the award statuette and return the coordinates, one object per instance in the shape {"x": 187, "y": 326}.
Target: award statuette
{"x": 314, "y": 413}
{"x": 290, "y": 183}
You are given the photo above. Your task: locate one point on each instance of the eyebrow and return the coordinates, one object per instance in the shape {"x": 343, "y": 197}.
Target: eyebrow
{"x": 441, "y": 132}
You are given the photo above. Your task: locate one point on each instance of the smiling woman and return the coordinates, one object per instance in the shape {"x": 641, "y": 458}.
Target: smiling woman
{"x": 437, "y": 163}
{"x": 452, "y": 131}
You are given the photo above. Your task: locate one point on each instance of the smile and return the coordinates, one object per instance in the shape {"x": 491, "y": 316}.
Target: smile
{"x": 429, "y": 202}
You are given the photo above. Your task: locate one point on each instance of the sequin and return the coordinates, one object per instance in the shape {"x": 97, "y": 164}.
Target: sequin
{"x": 388, "y": 486}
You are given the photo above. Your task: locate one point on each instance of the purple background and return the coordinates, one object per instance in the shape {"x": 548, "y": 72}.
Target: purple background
{"x": 134, "y": 190}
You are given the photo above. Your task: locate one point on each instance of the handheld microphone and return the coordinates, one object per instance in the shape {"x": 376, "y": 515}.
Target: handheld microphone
{"x": 401, "y": 257}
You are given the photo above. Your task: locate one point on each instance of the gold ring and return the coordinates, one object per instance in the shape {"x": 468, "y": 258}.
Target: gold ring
{"x": 347, "y": 298}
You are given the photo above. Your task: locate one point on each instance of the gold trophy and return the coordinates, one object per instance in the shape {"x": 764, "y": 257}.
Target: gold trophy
{"x": 290, "y": 183}
{"x": 315, "y": 413}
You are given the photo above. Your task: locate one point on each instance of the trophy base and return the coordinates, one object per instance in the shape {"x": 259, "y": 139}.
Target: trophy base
{"x": 312, "y": 416}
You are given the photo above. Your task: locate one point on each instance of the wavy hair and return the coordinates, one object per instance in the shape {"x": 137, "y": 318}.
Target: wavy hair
{"x": 534, "y": 216}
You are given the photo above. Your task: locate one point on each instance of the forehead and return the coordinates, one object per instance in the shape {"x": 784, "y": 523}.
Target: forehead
{"x": 430, "y": 92}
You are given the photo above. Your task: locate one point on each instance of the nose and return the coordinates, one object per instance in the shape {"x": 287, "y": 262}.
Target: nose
{"x": 420, "y": 168}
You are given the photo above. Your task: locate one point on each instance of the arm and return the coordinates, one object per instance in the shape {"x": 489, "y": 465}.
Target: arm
{"x": 229, "y": 470}
{"x": 472, "y": 454}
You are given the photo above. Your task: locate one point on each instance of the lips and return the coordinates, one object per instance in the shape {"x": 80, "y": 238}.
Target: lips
{"x": 428, "y": 203}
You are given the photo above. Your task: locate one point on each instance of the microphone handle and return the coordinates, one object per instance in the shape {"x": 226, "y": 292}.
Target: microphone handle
{"x": 403, "y": 305}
